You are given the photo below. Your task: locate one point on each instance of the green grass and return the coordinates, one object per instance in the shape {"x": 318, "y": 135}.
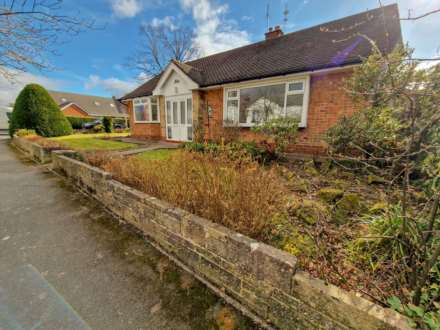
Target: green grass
{"x": 87, "y": 136}
{"x": 91, "y": 141}
{"x": 158, "y": 154}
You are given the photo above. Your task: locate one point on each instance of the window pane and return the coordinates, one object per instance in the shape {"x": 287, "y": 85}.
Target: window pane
{"x": 232, "y": 94}
{"x": 154, "y": 112}
{"x": 295, "y": 100}
{"x": 141, "y": 112}
{"x": 170, "y": 136}
{"x": 175, "y": 114}
{"x": 296, "y": 86}
{"x": 231, "y": 110}
{"x": 190, "y": 133}
{"x": 261, "y": 103}
{"x": 182, "y": 112}
{"x": 168, "y": 112}
{"x": 189, "y": 111}
{"x": 154, "y": 100}
{"x": 294, "y": 105}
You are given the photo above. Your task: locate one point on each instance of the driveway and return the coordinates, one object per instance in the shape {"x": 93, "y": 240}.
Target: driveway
{"x": 66, "y": 264}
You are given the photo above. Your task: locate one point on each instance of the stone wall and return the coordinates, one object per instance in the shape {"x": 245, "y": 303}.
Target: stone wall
{"x": 258, "y": 279}
{"x": 33, "y": 150}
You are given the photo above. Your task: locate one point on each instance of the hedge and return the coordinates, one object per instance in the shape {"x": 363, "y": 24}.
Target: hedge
{"x": 78, "y": 122}
{"x": 35, "y": 109}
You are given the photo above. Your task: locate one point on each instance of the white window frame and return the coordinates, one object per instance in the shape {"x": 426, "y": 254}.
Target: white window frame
{"x": 147, "y": 100}
{"x": 238, "y": 87}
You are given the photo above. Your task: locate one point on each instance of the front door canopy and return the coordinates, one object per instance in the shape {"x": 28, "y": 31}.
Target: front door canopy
{"x": 174, "y": 82}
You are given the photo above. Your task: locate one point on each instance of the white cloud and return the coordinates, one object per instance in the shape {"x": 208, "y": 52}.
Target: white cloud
{"x": 112, "y": 85}
{"x": 247, "y": 18}
{"x": 143, "y": 77}
{"x": 213, "y": 33}
{"x": 9, "y": 90}
{"x": 167, "y": 21}
{"x": 428, "y": 64}
{"x": 126, "y": 8}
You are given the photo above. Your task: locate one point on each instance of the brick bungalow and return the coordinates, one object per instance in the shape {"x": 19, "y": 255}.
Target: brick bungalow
{"x": 300, "y": 74}
{"x": 88, "y": 106}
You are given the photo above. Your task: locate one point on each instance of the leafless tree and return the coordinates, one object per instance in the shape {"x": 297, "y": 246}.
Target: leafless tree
{"x": 159, "y": 44}
{"x": 30, "y": 30}
{"x": 411, "y": 18}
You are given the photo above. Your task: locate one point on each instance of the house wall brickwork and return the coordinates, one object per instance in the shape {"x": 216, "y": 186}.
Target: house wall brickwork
{"x": 73, "y": 111}
{"x": 147, "y": 130}
{"x": 328, "y": 102}
{"x": 213, "y": 124}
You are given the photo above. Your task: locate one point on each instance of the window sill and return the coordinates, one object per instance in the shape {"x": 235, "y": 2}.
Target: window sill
{"x": 301, "y": 126}
{"x": 147, "y": 122}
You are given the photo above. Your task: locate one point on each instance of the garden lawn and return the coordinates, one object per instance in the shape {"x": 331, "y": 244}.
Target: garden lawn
{"x": 158, "y": 154}
{"x": 93, "y": 141}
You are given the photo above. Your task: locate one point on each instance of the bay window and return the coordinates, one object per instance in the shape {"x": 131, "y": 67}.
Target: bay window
{"x": 146, "y": 110}
{"x": 253, "y": 104}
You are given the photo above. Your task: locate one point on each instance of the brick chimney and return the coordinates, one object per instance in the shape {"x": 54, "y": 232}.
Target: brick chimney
{"x": 274, "y": 33}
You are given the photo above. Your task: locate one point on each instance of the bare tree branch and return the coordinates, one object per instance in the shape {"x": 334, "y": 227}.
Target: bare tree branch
{"x": 409, "y": 18}
{"x": 32, "y": 30}
{"x": 159, "y": 45}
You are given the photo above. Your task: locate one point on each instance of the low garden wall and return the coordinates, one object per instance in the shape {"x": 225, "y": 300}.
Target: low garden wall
{"x": 256, "y": 278}
{"x": 33, "y": 150}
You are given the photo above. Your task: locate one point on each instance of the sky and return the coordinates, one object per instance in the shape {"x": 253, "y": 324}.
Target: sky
{"x": 94, "y": 62}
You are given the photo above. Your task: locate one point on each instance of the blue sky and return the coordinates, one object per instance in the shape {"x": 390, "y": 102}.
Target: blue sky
{"x": 93, "y": 62}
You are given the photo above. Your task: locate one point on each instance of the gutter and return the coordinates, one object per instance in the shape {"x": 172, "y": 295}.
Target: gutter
{"x": 291, "y": 74}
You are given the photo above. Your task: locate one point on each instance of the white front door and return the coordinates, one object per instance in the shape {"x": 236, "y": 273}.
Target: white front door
{"x": 179, "y": 118}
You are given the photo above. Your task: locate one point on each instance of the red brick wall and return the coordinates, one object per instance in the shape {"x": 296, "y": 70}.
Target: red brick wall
{"x": 73, "y": 111}
{"x": 214, "y": 124}
{"x": 143, "y": 130}
{"x": 327, "y": 103}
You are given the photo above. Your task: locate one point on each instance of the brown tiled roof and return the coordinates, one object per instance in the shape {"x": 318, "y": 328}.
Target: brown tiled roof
{"x": 334, "y": 44}
{"x": 95, "y": 106}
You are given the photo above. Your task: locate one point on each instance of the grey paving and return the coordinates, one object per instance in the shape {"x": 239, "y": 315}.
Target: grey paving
{"x": 148, "y": 146}
{"x": 64, "y": 260}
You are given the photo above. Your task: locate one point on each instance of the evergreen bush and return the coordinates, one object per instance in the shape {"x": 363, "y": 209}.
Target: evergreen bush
{"x": 35, "y": 109}
{"x": 107, "y": 122}
{"x": 78, "y": 122}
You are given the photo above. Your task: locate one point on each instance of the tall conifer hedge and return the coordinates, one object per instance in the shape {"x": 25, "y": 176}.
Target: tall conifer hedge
{"x": 35, "y": 109}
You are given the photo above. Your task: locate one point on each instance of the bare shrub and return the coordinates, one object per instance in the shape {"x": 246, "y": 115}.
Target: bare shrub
{"x": 241, "y": 196}
{"x": 45, "y": 143}
{"x": 98, "y": 157}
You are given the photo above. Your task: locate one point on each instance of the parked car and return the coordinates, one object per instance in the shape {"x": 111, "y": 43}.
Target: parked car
{"x": 92, "y": 124}
{"x": 119, "y": 126}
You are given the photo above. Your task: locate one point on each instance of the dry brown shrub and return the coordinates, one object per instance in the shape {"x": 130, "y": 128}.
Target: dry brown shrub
{"x": 98, "y": 157}
{"x": 45, "y": 143}
{"x": 241, "y": 196}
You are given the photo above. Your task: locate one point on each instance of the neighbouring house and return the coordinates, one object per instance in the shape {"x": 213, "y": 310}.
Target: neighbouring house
{"x": 299, "y": 74}
{"x": 89, "y": 106}
{"x": 4, "y": 118}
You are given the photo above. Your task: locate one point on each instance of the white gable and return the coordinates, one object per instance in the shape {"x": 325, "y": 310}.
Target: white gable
{"x": 175, "y": 85}
{"x": 174, "y": 82}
